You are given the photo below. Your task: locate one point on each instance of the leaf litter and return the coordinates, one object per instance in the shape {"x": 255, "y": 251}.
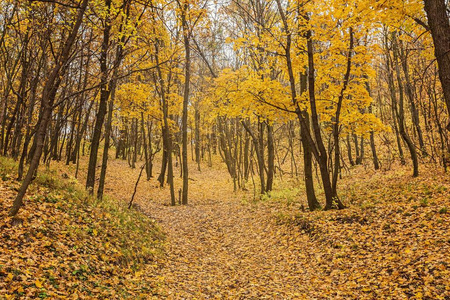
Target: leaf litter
{"x": 391, "y": 242}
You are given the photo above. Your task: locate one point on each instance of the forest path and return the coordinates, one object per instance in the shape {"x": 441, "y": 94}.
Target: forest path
{"x": 219, "y": 246}
{"x": 392, "y": 241}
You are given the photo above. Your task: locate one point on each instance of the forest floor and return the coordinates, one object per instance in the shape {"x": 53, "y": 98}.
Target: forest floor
{"x": 64, "y": 245}
{"x": 392, "y": 241}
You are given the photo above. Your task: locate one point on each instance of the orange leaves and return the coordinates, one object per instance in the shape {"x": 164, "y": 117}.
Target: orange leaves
{"x": 38, "y": 283}
{"x": 385, "y": 244}
{"x": 389, "y": 242}
{"x": 60, "y": 245}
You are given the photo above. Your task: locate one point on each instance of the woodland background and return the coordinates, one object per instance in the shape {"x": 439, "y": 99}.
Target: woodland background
{"x": 225, "y": 121}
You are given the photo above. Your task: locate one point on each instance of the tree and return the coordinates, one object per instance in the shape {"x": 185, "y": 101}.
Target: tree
{"x": 47, "y": 103}
{"x": 438, "y": 22}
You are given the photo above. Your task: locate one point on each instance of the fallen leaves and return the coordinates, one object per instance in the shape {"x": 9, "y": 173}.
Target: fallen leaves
{"x": 63, "y": 245}
{"x": 389, "y": 243}
{"x": 394, "y": 246}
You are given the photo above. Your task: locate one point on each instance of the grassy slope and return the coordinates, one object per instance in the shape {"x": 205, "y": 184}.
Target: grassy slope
{"x": 63, "y": 243}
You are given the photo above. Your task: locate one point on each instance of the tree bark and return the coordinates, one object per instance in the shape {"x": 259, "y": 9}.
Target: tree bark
{"x": 184, "y": 123}
{"x": 321, "y": 153}
{"x": 336, "y": 125}
{"x": 303, "y": 116}
{"x": 108, "y": 127}
{"x": 104, "y": 95}
{"x": 400, "y": 111}
{"x": 438, "y": 22}
{"x": 167, "y": 138}
{"x": 270, "y": 158}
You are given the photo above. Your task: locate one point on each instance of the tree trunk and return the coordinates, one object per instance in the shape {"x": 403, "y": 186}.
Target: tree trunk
{"x": 331, "y": 196}
{"x": 104, "y": 95}
{"x": 400, "y": 112}
{"x": 197, "y": 138}
{"x": 184, "y": 123}
{"x": 336, "y": 123}
{"x": 307, "y": 143}
{"x": 349, "y": 150}
{"x": 438, "y": 21}
{"x": 270, "y": 158}
{"x": 146, "y": 150}
{"x": 162, "y": 173}
{"x": 108, "y": 126}
{"x": 167, "y": 139}
{"x": 410, "y": 94}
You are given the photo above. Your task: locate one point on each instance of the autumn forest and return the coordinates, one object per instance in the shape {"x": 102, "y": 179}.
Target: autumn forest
{"x": 197, "y": 149}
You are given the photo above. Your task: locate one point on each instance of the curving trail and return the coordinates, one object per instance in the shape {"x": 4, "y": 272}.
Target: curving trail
{"x": 226, "y": 250}
{"x": 387, "y": 244}
{"x": 220, "y": 246}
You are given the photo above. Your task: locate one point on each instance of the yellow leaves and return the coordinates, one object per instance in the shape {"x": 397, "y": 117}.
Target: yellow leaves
{"x": 135, "y": 97}
{"x": 38, "y": 283}
{"x": 67, "y": 258}
{"x": 20, "y": 290}
{"x": 138, "y": 274}
{"x": 247, "y": 94}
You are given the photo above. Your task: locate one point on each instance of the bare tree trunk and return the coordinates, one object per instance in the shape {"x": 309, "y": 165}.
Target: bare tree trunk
{"x": 108, "y": 127}
{"x": 259, "y": 149}
{"x": 270, "y": 158}
{"x": 349, "y": 150}
{"x": 400, "y": 112}
{"x": 360, "y": 158}
{"x": 167, "y": 139}
{"x": 197, "y": 138}
{"x": 375, "y": 159}
{"x": 438, "y": 21}
{"x": 393, "y": 96}
{"x": 410, "y": 94}
{"x": 336, "y": 126}
{"x": 321, "y": 153}
{"x": 104, "y": 95}
{"x": 162, "y": 174}
{"x": 29, "y": 133}
{"x": 184, "y": 122}
{"x": 308, "y": 146}
{"x": 146, "y": 150}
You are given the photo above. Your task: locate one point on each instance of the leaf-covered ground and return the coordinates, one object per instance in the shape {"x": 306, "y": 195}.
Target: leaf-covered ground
{"x": 63, "y": 245}
{"x": 393, "y": 240}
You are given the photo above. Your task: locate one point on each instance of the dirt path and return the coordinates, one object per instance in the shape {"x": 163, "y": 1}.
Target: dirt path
{"x": 219, "y": 246}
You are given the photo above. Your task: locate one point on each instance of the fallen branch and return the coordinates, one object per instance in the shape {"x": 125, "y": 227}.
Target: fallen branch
{"x": 135, "y": 186}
